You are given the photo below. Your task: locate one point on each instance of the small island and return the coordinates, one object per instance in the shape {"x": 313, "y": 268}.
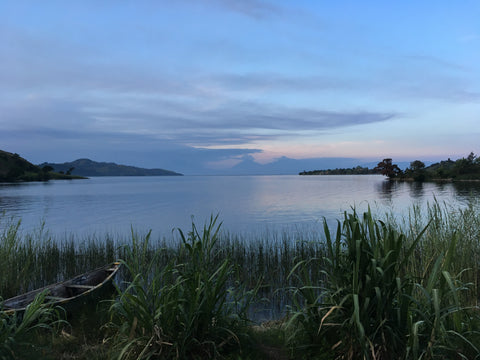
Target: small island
{"x": 14, "y": 168}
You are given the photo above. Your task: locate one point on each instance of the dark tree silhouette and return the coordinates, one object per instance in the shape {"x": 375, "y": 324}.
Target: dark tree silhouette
{"x": 417, "y": 165}
{"x": 387, "y": 168}
{"x": 417, "y": 170}
{"x": 47, "y": 168}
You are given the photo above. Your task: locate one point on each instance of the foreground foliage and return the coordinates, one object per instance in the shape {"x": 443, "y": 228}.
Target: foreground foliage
{"x": 36, "y": 259}
{"x": 368, "y": 289}
{"x": 371, "y": 306}
{"x": 17, "y": 330}
{"x": 187, "y": 309}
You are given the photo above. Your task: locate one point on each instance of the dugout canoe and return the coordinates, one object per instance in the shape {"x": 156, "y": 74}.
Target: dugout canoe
{"x": 90, "y": 286}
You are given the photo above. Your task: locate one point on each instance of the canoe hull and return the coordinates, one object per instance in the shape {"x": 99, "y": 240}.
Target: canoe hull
{"x": 89, "y": 287}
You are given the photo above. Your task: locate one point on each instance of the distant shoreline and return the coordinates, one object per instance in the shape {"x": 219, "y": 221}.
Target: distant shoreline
{"x": 87, "y": 167}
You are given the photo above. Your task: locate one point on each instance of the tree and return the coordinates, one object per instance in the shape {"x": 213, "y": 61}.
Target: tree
{"x": 387, "y": 168}
{"x": 469, "y": 165}
{"x": 417, "y": 170}
{"x": 471, "y": 158}
{"x": 44, "y": 174}
{"x": 417, "y": 165}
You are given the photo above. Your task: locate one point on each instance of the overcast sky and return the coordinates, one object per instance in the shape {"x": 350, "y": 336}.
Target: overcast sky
{"x": 188, "y": 85}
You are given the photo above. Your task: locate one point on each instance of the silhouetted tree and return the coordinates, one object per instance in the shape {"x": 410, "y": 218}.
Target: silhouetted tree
{"x": 417, "y": 165}
{"x": 44, "y": 174}
{"x": 471, "y": 158}
{"x": 387, "y": 168}
{"x": 417, "y": 170}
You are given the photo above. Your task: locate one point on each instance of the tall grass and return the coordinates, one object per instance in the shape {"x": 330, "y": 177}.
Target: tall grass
{"x": 448, "y": 225}
{"x": 371, "y": 289}
{"x": 186, "y": 309}
{"x": 17, "y": 330}
{"x": 375, "y": 303}
{"x": 36, "y": 259}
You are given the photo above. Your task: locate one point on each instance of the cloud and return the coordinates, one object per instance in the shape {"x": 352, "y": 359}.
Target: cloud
{"x": 63, "y": 90}
{"x": 259, "y": 119}
{"x": 436, "y": 62}
{"x": 234, "y": 122}
{"x": 69, "y": 67}
{"x": 428, "y": 77}
{"x": 158, "y": 96}
{"x": 263, "y": 82}
{"x": 139, "y": 150}
{"x": 75, "y": 69}
{"x": 470, "y": 38}
{"x": 257, "y": 9}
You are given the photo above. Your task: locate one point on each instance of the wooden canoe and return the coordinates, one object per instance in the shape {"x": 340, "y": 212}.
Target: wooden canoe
{"x": 81, "y": 287}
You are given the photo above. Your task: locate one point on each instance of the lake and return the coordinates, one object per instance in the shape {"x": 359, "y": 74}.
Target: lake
{"x": 245, "y": 204}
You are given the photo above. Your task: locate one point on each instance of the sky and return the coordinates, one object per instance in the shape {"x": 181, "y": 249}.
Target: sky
{"x": 219, "y": 86}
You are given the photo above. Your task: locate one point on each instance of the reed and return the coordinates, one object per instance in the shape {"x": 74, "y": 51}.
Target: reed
{"x": 186, "y": 309}
{"x": 407, "y": 287}
{"x": 371, "y": 306}
{"x": 33, "y": 260}
{"x": 448, "y": 224}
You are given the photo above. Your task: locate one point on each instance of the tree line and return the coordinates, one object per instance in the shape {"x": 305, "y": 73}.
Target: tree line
{"x": 359, "y": 170}
{"x": 446, "y": 170}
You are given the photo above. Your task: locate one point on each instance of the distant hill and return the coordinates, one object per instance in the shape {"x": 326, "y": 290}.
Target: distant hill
{"x": 15, "y": 168}
{"x": 87, "y": 167}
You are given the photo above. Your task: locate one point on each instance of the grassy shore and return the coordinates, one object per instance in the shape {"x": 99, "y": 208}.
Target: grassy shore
{"x": 375, "y": 287}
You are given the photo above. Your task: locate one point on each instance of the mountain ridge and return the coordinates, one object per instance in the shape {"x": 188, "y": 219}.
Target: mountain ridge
{"x": 87, "y": 167}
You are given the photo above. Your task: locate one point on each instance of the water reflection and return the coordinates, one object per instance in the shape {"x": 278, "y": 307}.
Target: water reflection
{"x": 416, "y": 190}
{"x": 467, "y": 190}
{"x": 245, "y": 203}
{"x": 13, "y": 203}
{"x": 386, "y": 189}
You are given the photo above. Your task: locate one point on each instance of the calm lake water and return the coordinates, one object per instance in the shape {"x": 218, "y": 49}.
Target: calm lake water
{"x": 245, "y": 203}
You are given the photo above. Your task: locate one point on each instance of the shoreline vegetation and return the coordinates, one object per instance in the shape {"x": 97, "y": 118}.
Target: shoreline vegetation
{"x": 14, "y": 168}
{"x": 359, "y": 170}
{"x": 374, "y": 287}
{"x": 463, "y": 169}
